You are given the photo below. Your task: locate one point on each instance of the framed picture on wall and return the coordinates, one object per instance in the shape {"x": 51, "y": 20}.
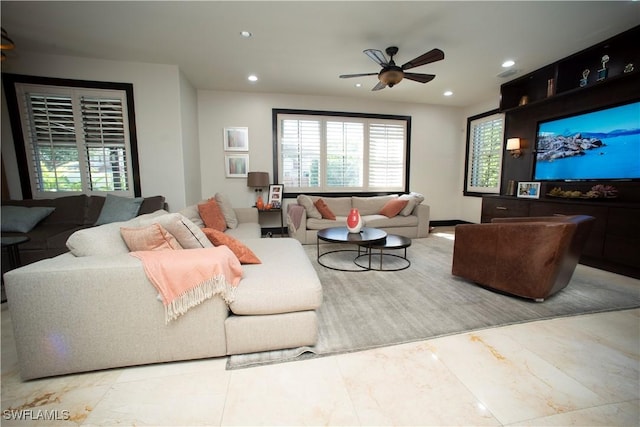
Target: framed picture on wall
{"x": 236, "y": 139}
{"x": 530, "y": 190}
{"x": 275, "y": 195}
{"x": 236, "y": 165}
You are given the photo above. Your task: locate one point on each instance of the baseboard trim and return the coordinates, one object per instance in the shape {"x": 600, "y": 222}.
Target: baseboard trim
{"x": 448, "y": 223}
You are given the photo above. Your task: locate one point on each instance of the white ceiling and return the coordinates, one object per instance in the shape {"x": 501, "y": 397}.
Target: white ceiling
{"x": 301, "y": 47}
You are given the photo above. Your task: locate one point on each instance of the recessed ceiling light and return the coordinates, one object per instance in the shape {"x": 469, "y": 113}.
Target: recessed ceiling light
{"x": 252, "y": 78}
{"x": 508, "y": 63}
{"x": 448, "y": 93}
{"x": 245, "y": 34}
{"x": 358, "y": 85}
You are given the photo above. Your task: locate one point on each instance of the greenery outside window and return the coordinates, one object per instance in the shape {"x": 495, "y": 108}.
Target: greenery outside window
{"x": 326, "y": 152}
{"x": 73, "y": 139}
{"x": 485, "y": 135}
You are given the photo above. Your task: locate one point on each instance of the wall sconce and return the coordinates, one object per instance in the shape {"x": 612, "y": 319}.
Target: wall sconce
{"x": 513, "y": 147}
{"x": 258, "y": 180}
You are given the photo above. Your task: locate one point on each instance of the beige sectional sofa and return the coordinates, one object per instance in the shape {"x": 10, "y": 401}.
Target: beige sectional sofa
{"x": 304, "y": 220}
{"x": 94, "y": 307}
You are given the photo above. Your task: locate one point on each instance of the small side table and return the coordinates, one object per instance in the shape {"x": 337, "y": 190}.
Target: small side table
{"x": 272, "y": 210}
{"x": 11, "y": 243}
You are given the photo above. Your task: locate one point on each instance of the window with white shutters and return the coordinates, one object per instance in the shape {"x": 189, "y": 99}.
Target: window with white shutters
{"x": 485, "y": 135}
{"x": 324, "y": 152}
{"x": 76, "y": 140}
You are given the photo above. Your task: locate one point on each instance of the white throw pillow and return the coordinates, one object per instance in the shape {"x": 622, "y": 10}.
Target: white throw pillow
{"x": 227, "y": 210}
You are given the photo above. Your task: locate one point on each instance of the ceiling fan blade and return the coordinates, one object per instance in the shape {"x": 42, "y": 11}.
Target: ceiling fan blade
{"x": 426, "y": 58}
{"x": 377, "y": 56}
{"x": 379, "y": 86}
{"x": 421, "y": 78}
{"x": 347, "y": 76}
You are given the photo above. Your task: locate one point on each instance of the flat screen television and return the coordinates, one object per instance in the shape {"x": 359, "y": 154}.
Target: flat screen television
{"x": 594, "y": 145}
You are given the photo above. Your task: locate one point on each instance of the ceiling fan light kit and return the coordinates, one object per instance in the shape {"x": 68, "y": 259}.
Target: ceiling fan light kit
{"x": 391, "y": 74}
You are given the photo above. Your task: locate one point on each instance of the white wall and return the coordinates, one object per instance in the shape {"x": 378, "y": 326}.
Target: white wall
{"x": 435, "y": 142}
{"x": 158, "y": 94}
{"x": 190, "y": 142}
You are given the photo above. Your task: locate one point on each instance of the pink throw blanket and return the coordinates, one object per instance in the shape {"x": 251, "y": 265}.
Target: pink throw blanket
{"x": 188, "y": 277}
{"x": 295, "y": 215}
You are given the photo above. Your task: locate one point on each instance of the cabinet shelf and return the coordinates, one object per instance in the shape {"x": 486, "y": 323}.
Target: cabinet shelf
{"x": 565, "y": 75}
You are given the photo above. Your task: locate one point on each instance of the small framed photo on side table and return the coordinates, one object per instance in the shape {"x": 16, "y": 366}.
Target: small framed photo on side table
{"x": 275, "y": 195}
{"x": 530, "y": 190}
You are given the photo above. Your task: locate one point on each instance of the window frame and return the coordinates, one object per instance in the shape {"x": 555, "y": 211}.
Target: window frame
{"x": 475, "y": 192}
{"x": 9, "y": 85}
{"x": 276, "y": 112}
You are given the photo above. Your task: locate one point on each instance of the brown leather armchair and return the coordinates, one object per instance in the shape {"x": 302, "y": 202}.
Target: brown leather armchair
{"x": 531, "y": 257}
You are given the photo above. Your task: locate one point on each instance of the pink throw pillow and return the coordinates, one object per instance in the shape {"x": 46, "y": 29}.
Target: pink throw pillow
{"x": 151, "y": 238}
{"x": 393, "y": 207}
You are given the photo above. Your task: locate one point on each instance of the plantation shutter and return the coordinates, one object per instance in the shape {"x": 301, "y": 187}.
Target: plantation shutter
{"x": 300, "y": 153}
{"x": 105, "y": 143}
{"x": 52, "y": 152}
{"x": 345, "y": 154}
{"x": 485, "y": 154}
{"x": 76, "y": 140}
{"x": 386, "y": 155}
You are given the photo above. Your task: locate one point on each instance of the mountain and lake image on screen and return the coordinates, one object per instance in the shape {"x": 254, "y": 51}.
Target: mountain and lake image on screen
{"x": 598, "y": 145}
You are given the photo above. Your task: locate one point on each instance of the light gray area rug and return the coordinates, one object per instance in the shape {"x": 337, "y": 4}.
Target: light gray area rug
{"x": 364, "y": 310}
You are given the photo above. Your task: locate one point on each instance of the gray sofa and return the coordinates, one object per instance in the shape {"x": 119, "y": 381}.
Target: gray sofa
{"x": 82, "y": 313}
{"x": 304, "y": 221}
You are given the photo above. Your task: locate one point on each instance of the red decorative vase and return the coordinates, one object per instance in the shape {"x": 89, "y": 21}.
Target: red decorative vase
{"x": 260, "y": 203}
{"x": 354, "y": 221}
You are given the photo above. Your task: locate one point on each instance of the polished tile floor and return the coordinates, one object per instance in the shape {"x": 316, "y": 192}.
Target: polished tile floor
{"x": 581, "y": 370}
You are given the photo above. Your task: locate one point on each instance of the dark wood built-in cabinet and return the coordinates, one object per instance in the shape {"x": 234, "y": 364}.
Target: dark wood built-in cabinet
{"x": 614, "y": 243}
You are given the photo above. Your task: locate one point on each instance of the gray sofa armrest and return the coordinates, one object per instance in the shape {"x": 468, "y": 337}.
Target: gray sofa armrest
{"x": 246, "y": 215}
{"x": 422, "y": 212}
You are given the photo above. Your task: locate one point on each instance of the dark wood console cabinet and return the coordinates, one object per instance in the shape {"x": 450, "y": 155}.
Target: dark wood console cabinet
{"x": 614, "y": 243}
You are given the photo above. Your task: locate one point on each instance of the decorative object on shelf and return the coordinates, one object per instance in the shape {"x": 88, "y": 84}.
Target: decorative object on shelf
{"x": 524, "y": 100}
{"x": 597, "y": 192}
{"x": 275, "y": 195}
{"x": 511, "y": 188}
{"x": 514, "y": 147}
{"x": 628, "y": 68}
{"x": 585, "y": 77}
{"x": 602, "y": 72}
{"x": 236, "y": 165}
{"x": 529, "y": 190}
{"x": 354, "y": 221}
{"x": 258, "y": 180}
{"x": 7, "y": 44}
{"x": 236, "y": 139}
{"x": 551, "y": 88}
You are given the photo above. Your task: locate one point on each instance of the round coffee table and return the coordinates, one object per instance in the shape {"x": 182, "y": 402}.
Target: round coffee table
{"x": 341, "y": 235}
{"x": 391, "y": 242}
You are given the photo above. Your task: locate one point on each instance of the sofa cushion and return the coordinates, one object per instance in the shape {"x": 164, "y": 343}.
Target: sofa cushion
{"x": 242, "y": 252}
{"x": 189, "y": 235}
{"x": 153, "y": 237}
{"x": 381, "y": 221}
{"x": 285, "y": 281}
{"x": 324, "y": 210}
{"x": 192, "y": 213}
{"x": 212, "y": 215}
{"x": 22, "y": 219}
{"x": 414, "y": 199}
{"x": 393, "y": 207}
{"x": 371, "y": 205}
{"x": 319, "y": 224}
{"x": 227, "y": 210}
{"x": 104, "y": 239}
{"x": 340, "y": 206}
{"x": 308, "y": 204}
{"x": 118, "y": 208}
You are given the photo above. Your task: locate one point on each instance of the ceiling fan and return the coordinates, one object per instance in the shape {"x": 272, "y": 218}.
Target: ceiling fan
{"x": 391, "y": 74}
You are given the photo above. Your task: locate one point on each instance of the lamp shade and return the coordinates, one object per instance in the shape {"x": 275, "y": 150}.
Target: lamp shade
{"x": 258, "y": 179}
{"x": 513, "y": 144}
